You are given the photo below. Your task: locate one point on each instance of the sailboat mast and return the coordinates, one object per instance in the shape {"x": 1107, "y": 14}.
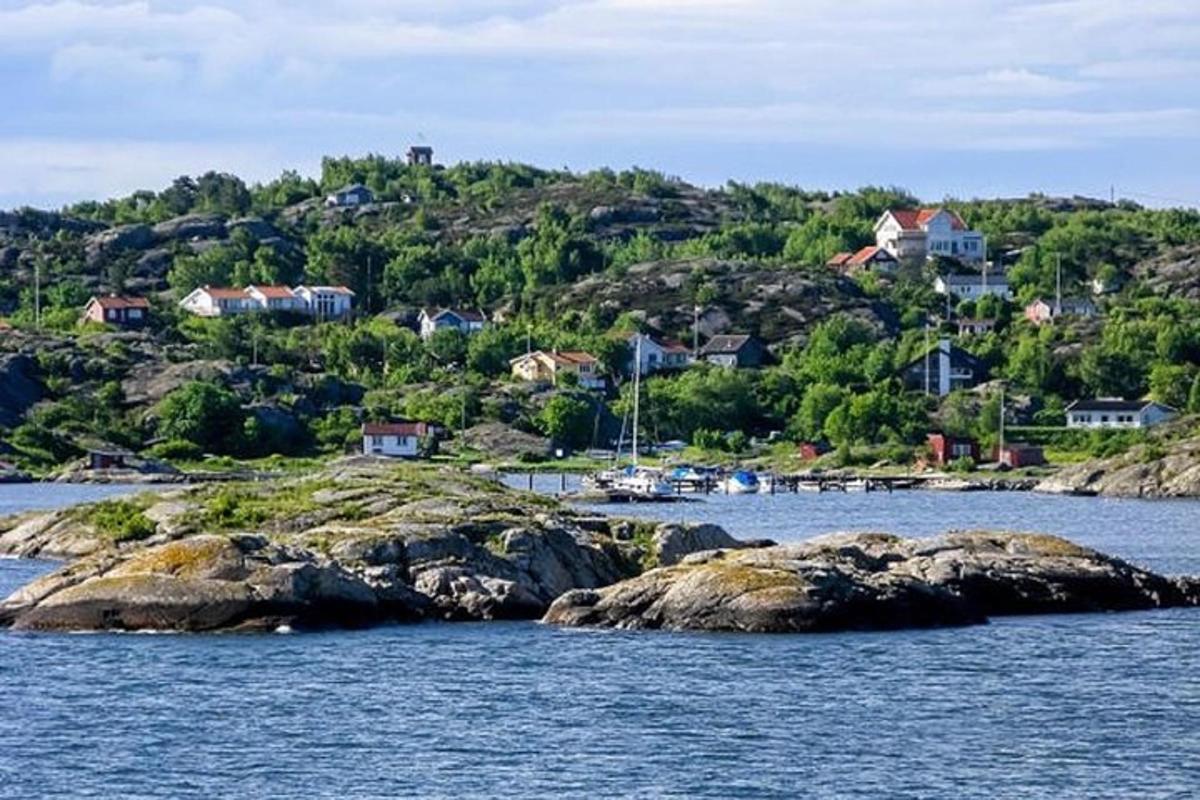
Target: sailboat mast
{"x": 637, "y": 390}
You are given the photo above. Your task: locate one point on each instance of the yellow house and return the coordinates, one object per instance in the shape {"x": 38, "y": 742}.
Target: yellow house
{"x": 542, "y": 367}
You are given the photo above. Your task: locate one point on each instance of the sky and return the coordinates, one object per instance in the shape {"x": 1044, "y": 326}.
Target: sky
{"x": 947, "y": 98}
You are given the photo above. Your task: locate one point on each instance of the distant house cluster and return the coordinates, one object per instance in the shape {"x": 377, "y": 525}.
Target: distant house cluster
{"x": 321, "y": 302}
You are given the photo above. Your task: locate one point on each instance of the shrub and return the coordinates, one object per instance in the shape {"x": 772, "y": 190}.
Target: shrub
{"x": 961, "y": 465}
{"x": 176, "y": 450}
{"x": 122, "y": 521}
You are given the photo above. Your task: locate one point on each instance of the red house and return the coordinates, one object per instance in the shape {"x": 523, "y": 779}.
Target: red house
{"x": 123, "y": 312}
{"x": 1018, "y": 456}
{"x": 951, "y": 448}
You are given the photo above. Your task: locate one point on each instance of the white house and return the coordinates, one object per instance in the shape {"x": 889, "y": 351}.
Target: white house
{"x": 326, "y": 302}
{"x": 394, "y": 439}
{"x": 973, "y": 287}
{"x": 275, "y": 298}
{"x": 1109, "y": 412}
{"x": 656, "y": 354}
{"x": 433, "y": 320}
{"x": 211, "y": 301}
{"x": 917, "y": 234}
{"x": 350, "y": 196}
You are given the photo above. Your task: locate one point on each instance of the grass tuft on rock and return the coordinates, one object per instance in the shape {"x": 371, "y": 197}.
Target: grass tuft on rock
{"x": 120, "y": 520}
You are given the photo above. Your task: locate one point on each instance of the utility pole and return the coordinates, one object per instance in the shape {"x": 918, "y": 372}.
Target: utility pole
{"x": 637, "y": 388}
{"x": 367, "y": 299}
{"x": 37, "y": 286}
{"x": 695, "y": 332}
{"x": 1058, "y": 285}
{"x": 1000, "y": 452}
{"x": 926, "y": 356}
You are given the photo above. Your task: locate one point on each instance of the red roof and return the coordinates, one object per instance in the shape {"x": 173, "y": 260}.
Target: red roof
{"x": 865, "y": 255}
{"x": 672, "y": 346}
{"x": 915, "y": 219}
{"x": 839, "y": 260}
{"x": 114, "y": 302}
{"x": 224, "y": 293}
{"x": 274, "y": 292}
{"x": 396, "y": 429}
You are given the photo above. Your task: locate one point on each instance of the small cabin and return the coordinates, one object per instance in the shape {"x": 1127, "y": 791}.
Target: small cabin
{"x": 1017, "y": 455}
{"x": 947, "y": 449}
{"x": 108, "y": 458}
{"x": 120, "y": 312}
{"x": 395, "y": 439}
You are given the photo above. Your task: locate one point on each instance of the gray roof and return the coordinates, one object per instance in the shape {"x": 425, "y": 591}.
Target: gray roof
{"x": 725, "y": 343}
{"x": 974, "y": 280}
{"x": 1113, "y": 404}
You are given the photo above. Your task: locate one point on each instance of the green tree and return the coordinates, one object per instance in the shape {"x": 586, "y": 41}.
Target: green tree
{"x": 203, "y": 413}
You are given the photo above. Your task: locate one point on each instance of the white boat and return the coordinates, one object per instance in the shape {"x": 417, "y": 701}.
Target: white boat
{"x": 859, "y": 485}
{"x": 740, "y": 482}
{"x": 642, "y": 482}
{"x": 766, "y": 484}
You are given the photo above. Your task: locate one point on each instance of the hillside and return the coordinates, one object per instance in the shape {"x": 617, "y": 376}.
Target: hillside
{"x": 560, "y": 261}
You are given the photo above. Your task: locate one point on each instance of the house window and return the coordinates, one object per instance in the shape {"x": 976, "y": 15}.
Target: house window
{"x": 377, "y": 441}
{"x": 135, "y": 313}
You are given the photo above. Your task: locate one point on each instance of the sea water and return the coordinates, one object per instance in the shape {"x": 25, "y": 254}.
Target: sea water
{"x": 1057, "y": 706}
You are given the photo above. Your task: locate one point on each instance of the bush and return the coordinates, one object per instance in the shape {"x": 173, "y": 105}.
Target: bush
{"x": 122, "y": 521}
{"x": 961, "y": 465}
{"x": 176, "y": 450}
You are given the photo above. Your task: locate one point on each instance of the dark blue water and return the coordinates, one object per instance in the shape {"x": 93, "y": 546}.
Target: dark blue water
{"x": 1064, "y": 707}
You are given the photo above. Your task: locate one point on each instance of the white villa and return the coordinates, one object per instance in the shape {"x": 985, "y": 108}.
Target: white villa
{"x": 918, "y": 234}
{"x": 1110, "y": 412}
{"x": 213, "y": 301}
{"x": 323, "y": 302}
{"x": 326, "y": 302}
{"x": 432, "y": 320}
{"x": 275, "y": 298}
{"x": 973, "y": 287}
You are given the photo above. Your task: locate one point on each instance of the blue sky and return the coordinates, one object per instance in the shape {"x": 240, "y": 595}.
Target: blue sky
{"x": 945, "y": 97}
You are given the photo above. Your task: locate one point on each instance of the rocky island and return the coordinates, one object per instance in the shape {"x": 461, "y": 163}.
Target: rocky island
{"x": 366, "y": 541}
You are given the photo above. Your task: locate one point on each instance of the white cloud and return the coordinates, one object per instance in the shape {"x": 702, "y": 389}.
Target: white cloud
{"x": 999, "y": 83}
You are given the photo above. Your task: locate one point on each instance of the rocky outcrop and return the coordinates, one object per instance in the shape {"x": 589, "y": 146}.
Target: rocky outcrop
{"x": 1150, "y": 471}
{"x": 350, "y": 547}
{"x": 191, "y": 226}
{"x": 124, "y": 237}
{"x": 673, "y": 542}
{"x": 206, "y": 583}
{"x": 873, "y": 582}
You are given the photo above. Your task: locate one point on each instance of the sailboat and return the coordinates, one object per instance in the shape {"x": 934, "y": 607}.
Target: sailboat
{"x": 635, "y": 479}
